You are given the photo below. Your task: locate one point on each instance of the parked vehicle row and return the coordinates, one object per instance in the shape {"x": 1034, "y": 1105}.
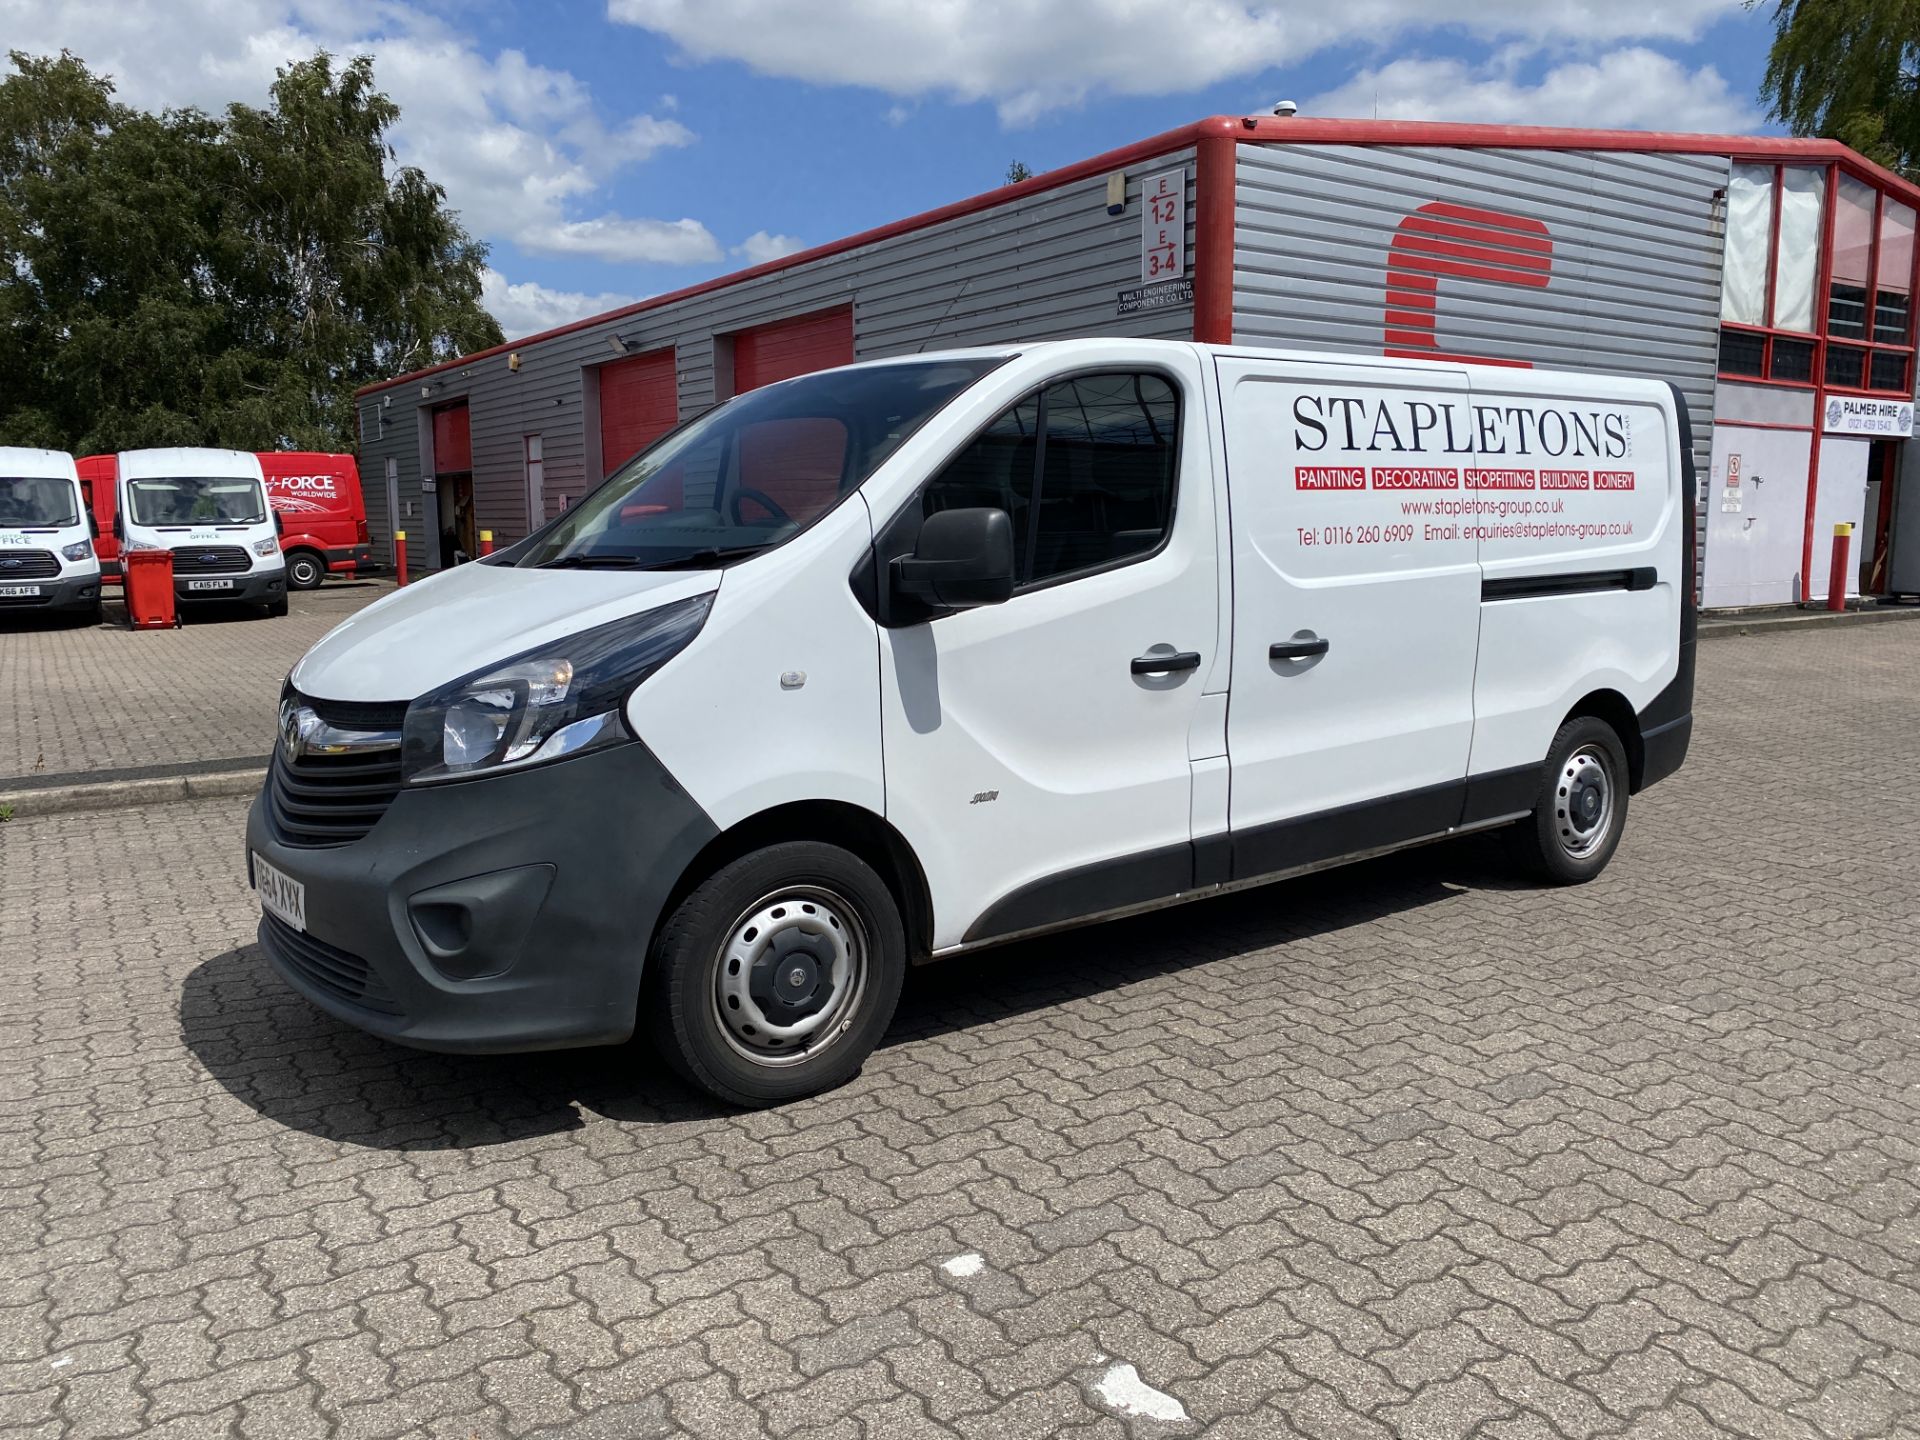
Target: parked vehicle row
{"x": 316, "y": 494}
{"x": 899, "y": 661}
{"x": 240, "y": 526}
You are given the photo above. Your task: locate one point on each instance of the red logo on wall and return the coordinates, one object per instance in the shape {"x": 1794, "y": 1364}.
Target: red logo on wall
{"x": 1461, "y": 242}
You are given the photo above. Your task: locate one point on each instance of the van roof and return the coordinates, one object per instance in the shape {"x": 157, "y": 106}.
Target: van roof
{"x": 24, "y": 462}
{"x": 188, "y": 460}
{"x": 1490, "y": 376}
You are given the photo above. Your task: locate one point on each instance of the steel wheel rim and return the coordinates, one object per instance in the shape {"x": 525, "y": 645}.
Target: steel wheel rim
{"x": 796, "y": 929}
{"x": 305, "y": 573}
{"x": 1583, "y": 801}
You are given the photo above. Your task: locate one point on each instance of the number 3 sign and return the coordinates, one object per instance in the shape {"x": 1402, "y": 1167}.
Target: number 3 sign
{"x": 1163, "y": 226}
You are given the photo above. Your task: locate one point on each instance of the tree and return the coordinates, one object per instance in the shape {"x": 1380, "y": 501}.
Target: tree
{"x": 180, "y": 279}
{"x": 1849, "y": 69}
{"x": 1018, "y": 171}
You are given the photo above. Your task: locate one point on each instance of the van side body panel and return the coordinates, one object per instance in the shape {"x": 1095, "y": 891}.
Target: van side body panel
{"x": 778, "y": 700}
{"x": 1585, "y": 572}
{"x": 1355, "y": 619}
{"x": 318, "y": 497}
{"x": 1036, "y": 776}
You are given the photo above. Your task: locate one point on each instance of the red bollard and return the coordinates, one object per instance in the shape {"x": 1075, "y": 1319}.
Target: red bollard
{"x": 486, "y": 542}
{"x": 1837, "y": 578}
{"x": 400, "y": 557}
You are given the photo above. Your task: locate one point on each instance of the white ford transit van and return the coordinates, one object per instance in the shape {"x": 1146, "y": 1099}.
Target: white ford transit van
{"x": 47, "y": 560}
{"x": 905, "y": 659}
{"x": 209, "y": 507}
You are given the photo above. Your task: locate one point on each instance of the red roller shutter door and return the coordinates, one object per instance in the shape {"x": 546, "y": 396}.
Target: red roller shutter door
{"x": 452, "y": 440}
{"x": 639, "y": 402}
{"x": 787, "y": 348}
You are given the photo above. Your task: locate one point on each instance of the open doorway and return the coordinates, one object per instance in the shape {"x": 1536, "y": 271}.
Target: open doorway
{"x": 459, "y": 533}
{"x": 1883, "y": 469}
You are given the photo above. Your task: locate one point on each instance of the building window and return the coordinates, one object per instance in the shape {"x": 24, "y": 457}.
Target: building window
{"x": 1796, "y": 261}
{"x": 1893, "y": 305}
{"x": 1775, "y": 325}
{"x": 1852, "y": 259}
{"x": 536, "y": 482}
{"x": 1743, "y": 292}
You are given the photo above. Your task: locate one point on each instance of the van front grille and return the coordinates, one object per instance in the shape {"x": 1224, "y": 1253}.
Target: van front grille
{"x": 328, "y": 969}
{"x": 210, "y": 560}
{"x": 323, "y": 800}
{"x": 27, "y": 565}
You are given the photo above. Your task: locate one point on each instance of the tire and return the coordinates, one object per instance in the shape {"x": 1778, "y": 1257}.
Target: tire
{"x": 305, "y": 570}
{"x": 719, "y": 964}
{"x": 277, "y": 609}
{"x": 1582, "y": 810}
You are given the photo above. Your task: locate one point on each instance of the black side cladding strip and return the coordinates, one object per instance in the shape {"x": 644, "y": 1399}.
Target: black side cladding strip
{"x": 1585, "y": 582}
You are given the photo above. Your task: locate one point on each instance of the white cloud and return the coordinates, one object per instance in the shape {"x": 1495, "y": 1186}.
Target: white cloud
{"x": 760, "y": 247}
{"x": 1631, "y": 88}
{"x": 526, "y": 307}
{"x": 519, "y": 146}
{"x": 1031, "y": 61}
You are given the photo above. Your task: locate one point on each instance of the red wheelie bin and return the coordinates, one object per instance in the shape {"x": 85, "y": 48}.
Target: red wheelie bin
{"x": 149, "y": 591}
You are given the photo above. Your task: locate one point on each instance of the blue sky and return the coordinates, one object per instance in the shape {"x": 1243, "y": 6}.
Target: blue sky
{"x": 611, "y": 149}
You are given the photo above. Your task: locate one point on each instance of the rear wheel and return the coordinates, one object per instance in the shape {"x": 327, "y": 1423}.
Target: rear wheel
{"x": 1582, "y": 810}
{"x": 778, "y": 975}
{"x": 305, "y": 570}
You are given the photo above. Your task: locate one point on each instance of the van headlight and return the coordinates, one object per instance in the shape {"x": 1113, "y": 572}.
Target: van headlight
{"x": 79, "y": 550}
{"x": 561, "y": 699}
{"x": 266, "y": 547}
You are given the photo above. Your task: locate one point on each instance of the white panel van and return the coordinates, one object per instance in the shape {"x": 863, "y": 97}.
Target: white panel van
{"x": 906, "y": 659}
{"x": 47, "y": 561}
{"x": 209, "y": 507}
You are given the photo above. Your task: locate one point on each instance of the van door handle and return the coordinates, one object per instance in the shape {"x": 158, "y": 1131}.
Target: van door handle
{"x": 1297, "y": 649}
{"x": 1167, "y": 664}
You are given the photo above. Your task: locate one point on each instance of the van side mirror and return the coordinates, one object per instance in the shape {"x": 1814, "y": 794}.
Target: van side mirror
{"x": 963, "y": 559}
{"x": 119, "y": 526}
{"x": 93, "y": 524}
{"x": 279, "y": 521}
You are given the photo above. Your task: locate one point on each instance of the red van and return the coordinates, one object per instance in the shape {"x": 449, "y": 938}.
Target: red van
{"x": 99, "y": 485}
{"x": 323, "y": 514}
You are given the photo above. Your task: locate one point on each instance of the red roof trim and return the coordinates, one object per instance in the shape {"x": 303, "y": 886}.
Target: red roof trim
{"x": 1260, "y": 129}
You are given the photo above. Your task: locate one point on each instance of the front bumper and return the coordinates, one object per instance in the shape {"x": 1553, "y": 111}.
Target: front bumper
{"x": 542, "y": 885}
{"x": 254, "y": 587}
{"x": 62, "y": 592}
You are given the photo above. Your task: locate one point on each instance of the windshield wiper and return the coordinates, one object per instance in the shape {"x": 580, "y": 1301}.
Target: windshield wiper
{"x": 700, "y": 559}
{"x": 593, "y": 562}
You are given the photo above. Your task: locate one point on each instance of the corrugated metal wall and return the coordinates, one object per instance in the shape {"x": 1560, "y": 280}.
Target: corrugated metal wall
{"x": 1634, "y": 287}
{"x": 1041, "y": 267}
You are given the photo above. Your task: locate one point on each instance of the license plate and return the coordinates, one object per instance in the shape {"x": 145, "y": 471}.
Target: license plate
{"x": 209, "y": 584}
{"x": 281, "y": 895}
{"x": 19, "y": 592}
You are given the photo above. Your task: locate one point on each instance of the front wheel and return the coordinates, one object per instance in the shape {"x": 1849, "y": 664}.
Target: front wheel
{"x": 1582, "y": 809}
{"x": 778, "y": 975}
{"x": 276, "y": 609}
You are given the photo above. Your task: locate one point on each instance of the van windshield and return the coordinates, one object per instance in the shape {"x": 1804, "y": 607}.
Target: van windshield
{"x": 38, "y": 502}
{"x": 752, "y": 473}
{"x": 197, "y": 500}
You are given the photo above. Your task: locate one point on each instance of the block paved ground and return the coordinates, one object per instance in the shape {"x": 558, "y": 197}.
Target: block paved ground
{"x": 79, "y": 698}
{"x": 1401, "y": 1151}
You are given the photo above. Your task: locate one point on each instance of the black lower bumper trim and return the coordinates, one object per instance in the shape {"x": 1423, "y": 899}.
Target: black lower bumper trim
{"x": 502, "y": 914}
{"x": 1664, "y": 749}
{"x": 75, "y": 592}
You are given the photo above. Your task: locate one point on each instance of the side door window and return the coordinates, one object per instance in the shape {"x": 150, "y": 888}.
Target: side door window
{"x": 1086, "y": 468}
